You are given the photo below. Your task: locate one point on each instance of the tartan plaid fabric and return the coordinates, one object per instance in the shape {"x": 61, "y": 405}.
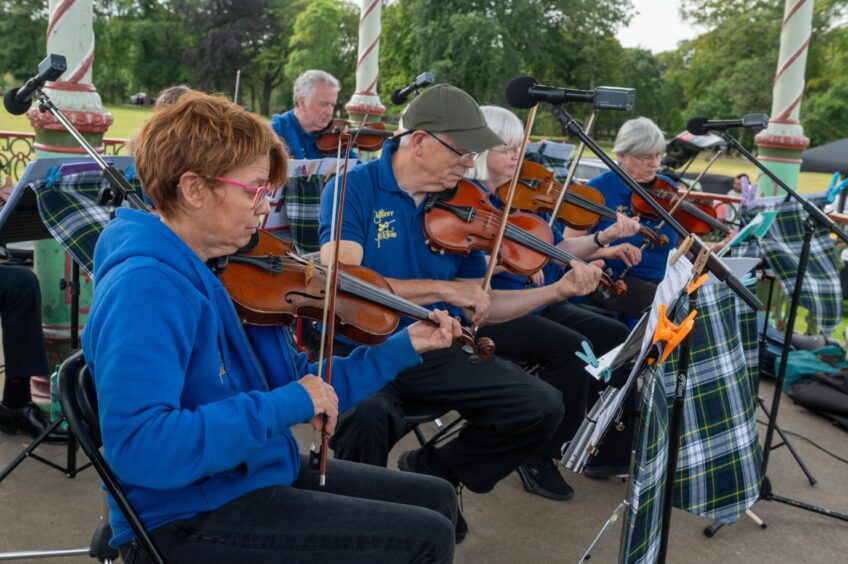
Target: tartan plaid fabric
{"x": 821, "y": 293}
{"x": 302, "y": 198}
{"x": 68, "y": 207}
{"x": 719, "y": 462}
{"x": 643, "y": 520}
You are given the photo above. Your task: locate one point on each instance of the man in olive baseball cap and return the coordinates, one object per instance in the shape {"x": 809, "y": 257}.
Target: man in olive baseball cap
{"x": 447, "y": 109}
{"x": 382, "y": 229}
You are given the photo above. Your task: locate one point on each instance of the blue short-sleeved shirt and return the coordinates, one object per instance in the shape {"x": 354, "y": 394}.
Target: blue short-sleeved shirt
{"x": 387, "y": 223}
{"x": 300, "y": 144}
{"x": 617, "y": 197}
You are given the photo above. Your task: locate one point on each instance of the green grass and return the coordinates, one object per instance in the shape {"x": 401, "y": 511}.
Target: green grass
{"x": 128, "y": 120}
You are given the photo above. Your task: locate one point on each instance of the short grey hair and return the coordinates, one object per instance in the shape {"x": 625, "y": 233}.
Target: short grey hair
{"x": 639, "y": 135}
{"x": 304, "y": 85}
{"x": 507, "y": 126}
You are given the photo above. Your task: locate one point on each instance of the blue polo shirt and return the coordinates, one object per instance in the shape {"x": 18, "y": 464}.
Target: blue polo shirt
{"x": 300, "y": 144}
{"x": 388, "y": 225}
{"x": 509, "y": 281}
{"x": 617, "y": 197}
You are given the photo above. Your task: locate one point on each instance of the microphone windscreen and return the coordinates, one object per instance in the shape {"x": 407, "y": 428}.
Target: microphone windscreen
{"x": 517, "y": 92}
{"x": 397, "y": 98}
{"x": 13, "y": 106}
{"x": 695, "y": 126}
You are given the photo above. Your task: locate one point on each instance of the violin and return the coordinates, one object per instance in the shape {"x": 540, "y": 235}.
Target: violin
{"x": 695, "y": 217}
{"x": 583, "y": 207}
{"x": 366, "y": 136}
{"x": 462, "y": 219}
{"x": 270, "y": 284}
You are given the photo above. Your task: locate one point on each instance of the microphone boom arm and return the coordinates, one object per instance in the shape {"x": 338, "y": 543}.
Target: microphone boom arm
{"x": 714, "y": 264}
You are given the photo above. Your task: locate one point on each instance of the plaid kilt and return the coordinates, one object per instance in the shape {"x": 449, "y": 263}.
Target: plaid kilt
{"x": 719, "y": 462}
{"x": 68, "y": 207}
{"x": 821, "y": 293}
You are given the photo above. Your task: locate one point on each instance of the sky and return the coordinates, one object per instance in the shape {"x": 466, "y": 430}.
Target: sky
{"x": 656, "y": 26}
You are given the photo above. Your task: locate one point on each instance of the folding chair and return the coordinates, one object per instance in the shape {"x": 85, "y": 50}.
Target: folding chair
{"x": 79, "y": 404}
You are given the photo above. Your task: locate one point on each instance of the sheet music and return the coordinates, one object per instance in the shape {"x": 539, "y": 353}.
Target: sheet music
{"x": 603, "y": 413}
{"x": 322, "y": 167}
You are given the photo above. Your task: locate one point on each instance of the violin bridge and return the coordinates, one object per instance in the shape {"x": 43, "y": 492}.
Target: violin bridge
{"x": 309, "y": 271}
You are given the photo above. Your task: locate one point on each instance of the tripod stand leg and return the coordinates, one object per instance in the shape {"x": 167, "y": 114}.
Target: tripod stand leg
{"x": 753, "y": 517}
{"x": 28, "y": 450}
{"x": 785, "y": 439}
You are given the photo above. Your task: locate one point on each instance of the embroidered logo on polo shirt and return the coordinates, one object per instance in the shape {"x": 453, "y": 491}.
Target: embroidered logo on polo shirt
{"x": 384, "y": 225}
{"x": 624, "y": 208}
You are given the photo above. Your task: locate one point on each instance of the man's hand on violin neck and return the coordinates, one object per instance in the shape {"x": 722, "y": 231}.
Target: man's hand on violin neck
{"x": 581, "y": 280}
{"x": 426, "y": 337}
{"x": 324, "y": 401}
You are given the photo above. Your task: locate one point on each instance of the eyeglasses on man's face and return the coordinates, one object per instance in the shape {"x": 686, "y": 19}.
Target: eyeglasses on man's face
{"x": 467, "y": 157}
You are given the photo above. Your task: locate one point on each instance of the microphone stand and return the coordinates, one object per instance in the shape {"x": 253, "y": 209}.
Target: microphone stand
{"x": 815, "y": 217}
{"x": 119, "y": 189}
{"x": 714, "y": 264}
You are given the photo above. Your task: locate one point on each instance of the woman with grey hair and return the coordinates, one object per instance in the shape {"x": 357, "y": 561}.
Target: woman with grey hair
{"x": 639, "y": 147}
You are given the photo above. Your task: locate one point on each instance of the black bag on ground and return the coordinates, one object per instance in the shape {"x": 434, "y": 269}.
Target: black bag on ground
{"x": 826, "y": 395}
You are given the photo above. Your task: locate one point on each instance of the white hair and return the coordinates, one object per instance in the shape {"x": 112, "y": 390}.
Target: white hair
{"x": 304, "y": 85}
{"x": 507, "y": 126}
{"x": 639, "y": 135}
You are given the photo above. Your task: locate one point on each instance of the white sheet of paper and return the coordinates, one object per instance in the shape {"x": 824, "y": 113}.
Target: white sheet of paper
{"x": 739, "y": 267}
{"x": 322, "y": 167}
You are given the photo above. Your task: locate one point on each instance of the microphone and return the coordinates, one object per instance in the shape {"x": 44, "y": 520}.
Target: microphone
{"x": 700, "y": 125}
{"x": 525, "y": 92}
{"x": 400, "y": 95}
{"x": 18, "y": 100}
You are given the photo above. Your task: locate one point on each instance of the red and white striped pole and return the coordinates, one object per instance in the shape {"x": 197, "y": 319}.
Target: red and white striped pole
{"x": 365, "y": 99}
{"x": 781, "y": 144}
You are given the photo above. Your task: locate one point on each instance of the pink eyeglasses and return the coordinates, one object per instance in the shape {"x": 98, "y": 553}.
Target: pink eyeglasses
{"x": 260, "y": 191}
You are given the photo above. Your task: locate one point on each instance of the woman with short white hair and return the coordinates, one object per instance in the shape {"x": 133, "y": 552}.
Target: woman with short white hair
{"x": 639, "y": 147}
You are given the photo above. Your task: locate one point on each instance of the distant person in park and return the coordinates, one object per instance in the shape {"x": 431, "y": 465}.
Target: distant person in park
{"x": 737, "y": 182}
{"x": 168, "y": 96}
{"x": 639, "y": 147}
{"x": 315, "y": 95}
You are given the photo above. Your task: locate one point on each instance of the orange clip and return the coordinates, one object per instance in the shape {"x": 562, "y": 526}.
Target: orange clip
{"x": 695, "y": 284}
{"x": 671, "y": 334}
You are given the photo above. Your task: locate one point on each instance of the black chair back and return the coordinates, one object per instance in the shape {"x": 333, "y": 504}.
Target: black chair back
{"x": 79, "y": 404}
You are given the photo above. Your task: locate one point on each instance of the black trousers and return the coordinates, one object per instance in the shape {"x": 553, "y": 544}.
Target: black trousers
{"x": 20, "y": 312}
{"x": 510, "y": 416}
{"x": 639, "y": 297}
{"x": 550, "y": 339}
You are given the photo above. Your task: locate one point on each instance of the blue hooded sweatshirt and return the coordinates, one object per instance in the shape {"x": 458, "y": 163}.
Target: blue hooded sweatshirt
{"x": 191, "y": 418}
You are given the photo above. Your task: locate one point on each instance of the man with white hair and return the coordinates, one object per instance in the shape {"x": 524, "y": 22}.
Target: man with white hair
{"x": 315, "y": 96}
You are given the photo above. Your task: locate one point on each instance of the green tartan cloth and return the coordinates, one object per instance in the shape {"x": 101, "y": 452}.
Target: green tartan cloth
{"x": 719, "y": 461}
{"x": 821, "y": 293}
{"x": 68, "y": 207}
{"x": 302, "y": 197}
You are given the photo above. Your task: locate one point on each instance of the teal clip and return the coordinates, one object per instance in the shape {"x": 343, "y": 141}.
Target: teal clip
{"x": 836, "y": 186}
{"x": 589, "y": 358}
{"x": 129, "y": 173}
{"x": 749, "y": 279}
{"x": 52, "y": 176}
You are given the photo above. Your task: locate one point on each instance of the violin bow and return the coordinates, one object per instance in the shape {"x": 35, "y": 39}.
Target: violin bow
{"x": 328, "y": 317}
{"x": 496, "y": 247}
{"x": 590, "y": 124}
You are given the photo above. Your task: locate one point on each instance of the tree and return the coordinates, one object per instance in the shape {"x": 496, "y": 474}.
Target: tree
{"x": 23, "y": 24}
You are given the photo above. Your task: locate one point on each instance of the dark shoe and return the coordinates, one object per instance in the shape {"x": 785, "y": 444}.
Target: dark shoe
{"x": 416, "y": 461}
{"x": 540, "y": 475}
{"x": 31, "y": 420}
{"x": 604, "y": 472}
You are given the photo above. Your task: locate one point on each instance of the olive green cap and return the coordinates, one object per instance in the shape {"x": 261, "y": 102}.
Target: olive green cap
{"x": 447, "y": 109}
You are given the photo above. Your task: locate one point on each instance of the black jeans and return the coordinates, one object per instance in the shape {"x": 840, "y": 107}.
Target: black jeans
{"x": 550, "y": 339}
{"x": 509, "y": 415}
{"x": 639, "y": 297}
{"x": 363, "y": 514}
{"x": 20, "y": 311}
